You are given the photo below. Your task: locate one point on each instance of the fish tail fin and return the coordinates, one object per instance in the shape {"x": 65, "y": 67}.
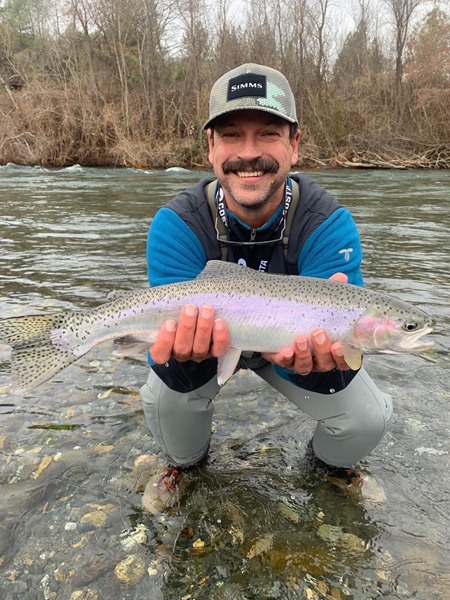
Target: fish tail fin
{"x": 34, "y": 364}
{"x": 18, "y": 331}
{"x": 34, "y": 358}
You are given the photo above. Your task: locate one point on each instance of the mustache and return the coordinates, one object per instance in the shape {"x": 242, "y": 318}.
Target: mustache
{"x": 267, "y": 165}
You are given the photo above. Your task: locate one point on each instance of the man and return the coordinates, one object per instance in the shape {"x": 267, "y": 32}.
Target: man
{"x": 242, "y": 217}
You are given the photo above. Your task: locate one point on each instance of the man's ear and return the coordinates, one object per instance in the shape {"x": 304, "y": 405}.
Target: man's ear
{"x": 210, "y": 134}
{"x": 294, "y": 144}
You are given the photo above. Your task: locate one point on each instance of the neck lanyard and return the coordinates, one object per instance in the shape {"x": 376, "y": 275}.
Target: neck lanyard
{"x": 241, "y": 248}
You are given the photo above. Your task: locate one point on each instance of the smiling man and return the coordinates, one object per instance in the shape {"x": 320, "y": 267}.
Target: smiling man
{"x": 255, "y": 213}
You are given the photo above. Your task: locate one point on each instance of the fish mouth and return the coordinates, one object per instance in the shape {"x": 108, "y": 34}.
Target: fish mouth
{"x": 411, "y": 341}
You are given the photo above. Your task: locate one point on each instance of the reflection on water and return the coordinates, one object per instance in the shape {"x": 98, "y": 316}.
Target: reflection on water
{"x": 256, "y": 521}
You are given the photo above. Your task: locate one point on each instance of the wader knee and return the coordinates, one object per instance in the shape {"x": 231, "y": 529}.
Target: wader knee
{"x": 350, "y": 423}
{"x": 350, "y": 434}
{"x": 180, "y": 422}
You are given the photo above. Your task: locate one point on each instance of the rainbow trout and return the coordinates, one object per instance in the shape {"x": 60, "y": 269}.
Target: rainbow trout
{"x": 264, "y": 312}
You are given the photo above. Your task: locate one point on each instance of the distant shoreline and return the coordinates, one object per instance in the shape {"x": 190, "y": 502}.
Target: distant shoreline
{"x": 338, "y": 162}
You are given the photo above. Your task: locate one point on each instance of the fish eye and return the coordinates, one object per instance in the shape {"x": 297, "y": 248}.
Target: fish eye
{"x": 410, "y": 325}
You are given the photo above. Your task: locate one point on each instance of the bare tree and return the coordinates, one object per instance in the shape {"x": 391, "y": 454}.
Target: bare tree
{"x": 229, "y": 46}
{"x": 318, "y": 17}
{"x": 261, "y": 34}
{"x": 401, "y": 12}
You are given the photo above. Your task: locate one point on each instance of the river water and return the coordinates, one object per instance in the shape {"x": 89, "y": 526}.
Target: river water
{"x": 255, "y": 521}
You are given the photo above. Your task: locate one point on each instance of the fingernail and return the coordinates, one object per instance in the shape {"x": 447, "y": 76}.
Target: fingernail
{"x": 207, "y": 312}
{"x": 219, "y": 324}
{"x": 302, "y": 344}
{"x": 288, "y": 354}
{"x": 190, "y": 310}
{"x": 319, "y": 337}
{"x": 338, "y": 350}
{"x": 171, "y": 325}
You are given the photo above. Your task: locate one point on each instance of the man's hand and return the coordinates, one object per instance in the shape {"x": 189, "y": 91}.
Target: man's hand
{"x": 197, "y": 336}
{"x": 317, "y": 354}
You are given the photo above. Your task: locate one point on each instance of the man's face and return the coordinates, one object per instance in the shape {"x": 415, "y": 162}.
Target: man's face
{"x": 252, "y": 154}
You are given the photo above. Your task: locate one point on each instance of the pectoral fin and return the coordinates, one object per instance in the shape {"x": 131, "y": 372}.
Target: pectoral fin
{"x": 227, "y": 364}
{"x": 129, "y": 345}
{"x": 352, "y": 357}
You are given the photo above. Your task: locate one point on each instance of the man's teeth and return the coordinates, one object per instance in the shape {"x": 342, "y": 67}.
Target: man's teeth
{"x": 249, "y": 174}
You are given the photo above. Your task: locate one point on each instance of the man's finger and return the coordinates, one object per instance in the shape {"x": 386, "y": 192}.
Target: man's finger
{"x": 184, "y": 337}
{"x": 338, "y": 355}
{"x": 203, "y": 333}
{"x": 323, "y": 358}
{"x": 220, "y": 338}
{"x": 283, "y": 358}
{"x": 304, "y": 362}
{"x": 161, "y": 350}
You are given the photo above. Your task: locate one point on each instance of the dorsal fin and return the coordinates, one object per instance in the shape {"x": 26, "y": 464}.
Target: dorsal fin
{"x": 219, "y": 269}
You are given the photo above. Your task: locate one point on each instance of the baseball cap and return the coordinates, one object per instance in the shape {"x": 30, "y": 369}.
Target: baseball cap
{"x": 255, "y": 87}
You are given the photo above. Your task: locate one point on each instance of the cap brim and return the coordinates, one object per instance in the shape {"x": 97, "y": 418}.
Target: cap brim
{"x": 265, "y": 109}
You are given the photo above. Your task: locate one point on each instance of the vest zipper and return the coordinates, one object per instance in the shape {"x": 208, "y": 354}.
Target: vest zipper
{"x": 252, "y": 235}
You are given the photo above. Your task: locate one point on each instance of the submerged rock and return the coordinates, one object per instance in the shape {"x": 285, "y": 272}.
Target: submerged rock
{"x": 131, "y": 569}
{"x": 85, "y": 595}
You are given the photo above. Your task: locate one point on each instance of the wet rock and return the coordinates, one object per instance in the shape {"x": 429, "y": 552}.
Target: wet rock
{"x": 46, "y": 584}
{"x": 85, "y": 595}
{"x": 143, "y": 469}
{"x": 289, "y": 513}
{"x": 20, "y": 589}
{"x": 351, "y": 543}
{"x": 314, "y": 560}
{"x": 12, "y": 575}
{"x": 45, "y": 462}
{"x": 373, "y": 493}
{"x": 311, "y": 594}
{"x": 134, "y": 537}
{"x": 199, "y": 548}
{"x": 102, "y": 449}
{"x": 329, "y": 533}
{"x": 85, "y": 574}
{"x": 62, "y": 573}
{"x": 260, "y": 546}
{"x": 131, "y": 569}
{"x": 98, "y": 517}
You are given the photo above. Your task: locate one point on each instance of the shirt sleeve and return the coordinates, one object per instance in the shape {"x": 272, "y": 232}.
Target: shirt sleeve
{"x": 174, "y": 253}
{"x": 333, "y": 247}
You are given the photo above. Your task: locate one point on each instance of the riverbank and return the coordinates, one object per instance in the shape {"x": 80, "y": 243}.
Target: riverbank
{"x": 186, "y": 155}
{"x": 56, "y": 129}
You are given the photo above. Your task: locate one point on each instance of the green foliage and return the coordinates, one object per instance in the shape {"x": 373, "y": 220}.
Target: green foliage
{"x": 353, "y": 58}
{"x": 27, "y": 17}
